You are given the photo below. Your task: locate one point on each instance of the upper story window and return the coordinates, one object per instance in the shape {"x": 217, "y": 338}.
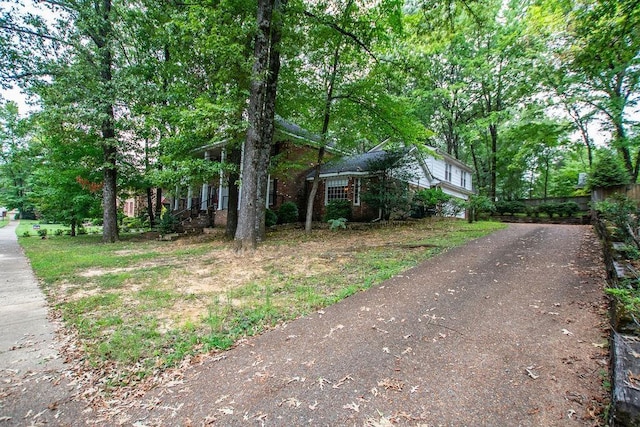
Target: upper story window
{"x": 448, "y": 172}
{"x": 463, "y": 179}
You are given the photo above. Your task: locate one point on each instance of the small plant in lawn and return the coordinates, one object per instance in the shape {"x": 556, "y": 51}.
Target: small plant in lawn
{"x": 26, "y": 234}
{"x": 337, "y": 223}
{"x": 42, "y": 232}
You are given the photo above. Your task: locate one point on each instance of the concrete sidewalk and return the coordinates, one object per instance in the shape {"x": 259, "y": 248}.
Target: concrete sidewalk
{"x": 31, "y": 371}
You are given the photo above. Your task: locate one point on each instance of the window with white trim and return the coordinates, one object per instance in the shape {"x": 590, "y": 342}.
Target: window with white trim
{"x": 463, "y": 179}
{"x": 336, "y": 189}
{"x": 448, "y": 172}
{"x": 356, "y": 192}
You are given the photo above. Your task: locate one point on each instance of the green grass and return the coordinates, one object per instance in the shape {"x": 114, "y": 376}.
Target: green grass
{"x": 4, "y": 221}
{"x": 124, "y": 299}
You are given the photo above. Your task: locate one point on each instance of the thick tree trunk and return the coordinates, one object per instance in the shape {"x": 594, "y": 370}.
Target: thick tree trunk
{"x": 109, "y": 145}
{"x": 109, "y": 196}
{"x": 260, "y": 132}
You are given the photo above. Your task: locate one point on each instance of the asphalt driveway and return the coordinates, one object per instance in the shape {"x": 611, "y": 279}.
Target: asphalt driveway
{"x": 507, "y": 330}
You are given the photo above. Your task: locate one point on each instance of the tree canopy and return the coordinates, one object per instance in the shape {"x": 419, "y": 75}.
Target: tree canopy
{"x": 523, "y": 91}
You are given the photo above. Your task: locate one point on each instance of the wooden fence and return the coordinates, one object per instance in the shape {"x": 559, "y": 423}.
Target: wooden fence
{"x": 632, "y": 191}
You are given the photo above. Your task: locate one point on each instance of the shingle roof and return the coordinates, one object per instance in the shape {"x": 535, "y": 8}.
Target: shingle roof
{"x": 356, "y": 164}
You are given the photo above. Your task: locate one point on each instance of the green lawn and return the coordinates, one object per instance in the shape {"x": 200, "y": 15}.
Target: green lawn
{"x": 4, "y": 221}
{"x": 137, "y": 305}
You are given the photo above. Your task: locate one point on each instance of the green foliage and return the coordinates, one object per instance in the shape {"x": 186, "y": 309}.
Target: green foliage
{"x": 337, "y": 209}
{"x": 271, "y": 218}
{"x": 168, "y": 223}
{"x": 288, "y": 213}
{"x": 607, "y": 172}
{"x": 622, "y": 212}
{"x": 628, "y": 296}
{"x": 504, "y": 207}
{"x": 479, "y": 204}
{"x": 569, "y": 209}
{"x": 389, "y": 191}
{"x": 429, "y": 202}
{"x": 337, "y": 223}
{"x": 42, "y": 232}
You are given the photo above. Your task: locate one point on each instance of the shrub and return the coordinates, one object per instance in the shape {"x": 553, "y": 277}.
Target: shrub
{"x": 429, "y": 202}
{"x": 568, "y": 209}
{"x": 42, "y": 232}
{"x": 271, "y": 218}
{"x": 510, "y": 207}
{"x": 288, "y": 213}
{"x": 128, "y": 222}
{"x": 338, "y": 209}
{"x": 622, "y": 212}
{"x": 548, "y": 208}
{"x": 58, "y": 232}
{"x": 168, "y": 223}
{"x": 533, "y": 211}
{"x": 478, "y": 204}
{"x": 26, "y": 234}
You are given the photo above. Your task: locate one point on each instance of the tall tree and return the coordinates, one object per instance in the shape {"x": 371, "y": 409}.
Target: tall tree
{"x": 78, "y": 71}
{"x": 604, "y": 54}
{"x": 17, "y": 161}
{"x": 261, "y": 114}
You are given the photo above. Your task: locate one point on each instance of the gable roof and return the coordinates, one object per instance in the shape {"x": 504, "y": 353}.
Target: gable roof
{"x": 358, "y": 164}
{"x": 283, "y": 128}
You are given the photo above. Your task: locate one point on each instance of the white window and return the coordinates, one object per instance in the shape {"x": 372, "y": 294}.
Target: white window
{"x": 336, "y": 189}
{"x": 448, "y": 172}
{"x": 463, "y": 179}
{"x": 356, "y": 192}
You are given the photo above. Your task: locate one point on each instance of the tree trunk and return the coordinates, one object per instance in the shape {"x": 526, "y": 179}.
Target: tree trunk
{"x": 325, "y": 129}
{"x": 109, "y": 145}
{"x": 150, "y": 207}
{"x": 314, "y": 190}
{"x": 261, "y": 114}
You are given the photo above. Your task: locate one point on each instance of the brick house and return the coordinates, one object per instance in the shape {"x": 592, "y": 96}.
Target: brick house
{"x": 349, "y": 177}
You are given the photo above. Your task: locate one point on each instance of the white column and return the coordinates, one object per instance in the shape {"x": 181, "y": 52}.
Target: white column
{"x": 268, "y": 188}
{"x": 223, "y": 157}
{"x": 176, "y": 199}
{"x": 189, "y": 197}
{"x": 204, "y": 197}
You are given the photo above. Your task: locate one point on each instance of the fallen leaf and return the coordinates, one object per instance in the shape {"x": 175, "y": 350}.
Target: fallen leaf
{"x": 532, "y": 374}
{"x": 566, "y": 332}
{"x": 353, "y": 406}
{"x": 292, "y": 402}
